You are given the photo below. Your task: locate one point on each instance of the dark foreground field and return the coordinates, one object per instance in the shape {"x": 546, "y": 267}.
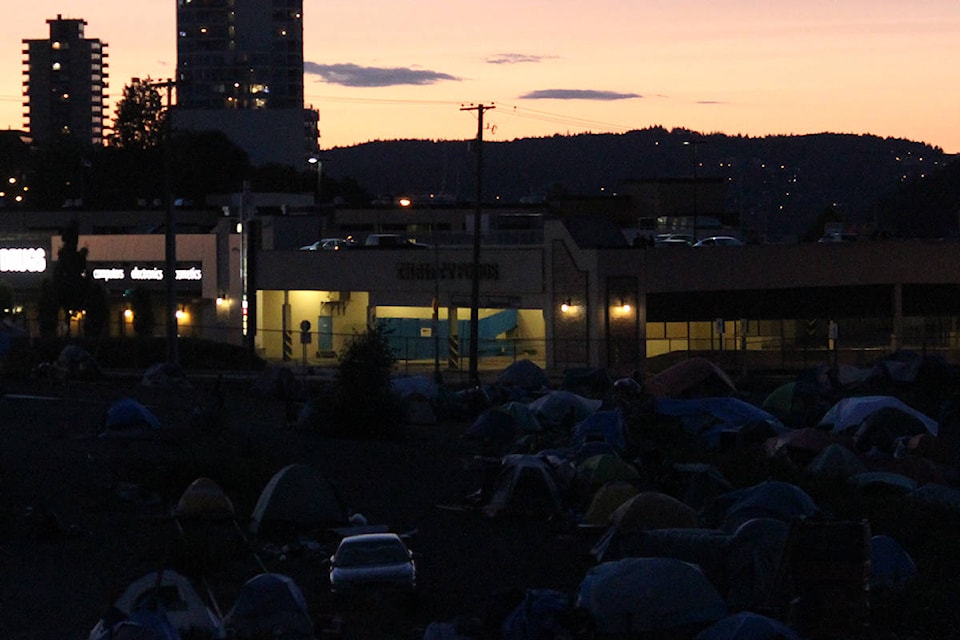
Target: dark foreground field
{"x": 82, "y": 516}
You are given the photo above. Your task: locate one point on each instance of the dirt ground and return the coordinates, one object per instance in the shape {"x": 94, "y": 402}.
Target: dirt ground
{"x": 81, "y": 516}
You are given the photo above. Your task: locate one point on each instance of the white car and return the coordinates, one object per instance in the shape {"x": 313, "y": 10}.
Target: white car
{"x": 719, "y": 241}
{"x": 370, "y": 561}
{"x": 330, "y": 244}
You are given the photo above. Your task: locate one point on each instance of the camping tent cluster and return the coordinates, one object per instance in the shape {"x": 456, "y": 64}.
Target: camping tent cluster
{"x": 166, "y": 605}
{"x": 679, "y": 549}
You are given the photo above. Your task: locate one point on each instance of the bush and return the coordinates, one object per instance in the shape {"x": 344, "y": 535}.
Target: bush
{"x": 362, "y": 402}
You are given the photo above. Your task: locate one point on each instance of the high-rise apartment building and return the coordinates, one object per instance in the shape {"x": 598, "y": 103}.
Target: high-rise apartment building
{"x": 65, "y": 89}
{"x": 240, "y": 71}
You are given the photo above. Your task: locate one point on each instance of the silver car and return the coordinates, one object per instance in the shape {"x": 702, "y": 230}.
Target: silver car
{"x": 372, "y": 561}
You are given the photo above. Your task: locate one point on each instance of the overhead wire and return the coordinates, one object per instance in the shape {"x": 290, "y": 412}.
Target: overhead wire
{"x": 509, "y": 110}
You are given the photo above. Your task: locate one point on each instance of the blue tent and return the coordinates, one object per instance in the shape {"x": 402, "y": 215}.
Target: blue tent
{"x": 603, "y": 426}
{"x": 270, "y": 605}
{"x": 768, "y": 499}
{"x": 711, "y": 417}
{"x": 748, "y": 626}
{"x": 635, "y": 596}
{"x": 890, "y": 565}
{"x": 127, "y": 412}
{"x": 554, "y": 408}
{"x": 493, "y": 424}
{"x": 537, "y": 616}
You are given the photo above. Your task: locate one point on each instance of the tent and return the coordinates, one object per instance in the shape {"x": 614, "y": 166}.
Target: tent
{"x": 803, "y": 444}
{"x": 590, "y": 382}
{"x": 836, "y": 461}
{"x": 524, "y": 374}
{"x": 600, "y": 469}
{"x": 747, "y": 625}
{"x": 140, "y": 625}
{"x": 705, "y": 548}
{"x": 205, "y": 500}
{"x": 168, "y": 593}
{"x": 711, "y": 418}
{"x": 269, "y": 605}
{"x": 526, "y": 420}
{"x": 883, "y": 429}
{"x": 558, "y": 408}
{"x": 77, "y": 362}
{"x": 635, "y": 596}
{"x": 165, "y": 375}
{"x": 127, "y": 412}
{"x": 890, "y": 565}
{"x": 753, "y": 560}
{"x": 883, "y": 482}
{"x": 525, "y": 484}
{"x": 654, "y": 510}
{"x": 606, "y": 500}
{"x": 492, "y": 425}
{"x": 297, "y": 496}
{"x": 541, "y": 614}
{"x": 646, "y": 510}
{"x": 693, "y": 378}
{"x": 605, "y": 426}
{"x": 849, "y": 413}
{"x": 768, "y": 499}
{"x": 700, "y": 482}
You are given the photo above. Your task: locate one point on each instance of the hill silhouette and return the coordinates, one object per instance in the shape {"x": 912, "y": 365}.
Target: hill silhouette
{"x": 779, "y": 182}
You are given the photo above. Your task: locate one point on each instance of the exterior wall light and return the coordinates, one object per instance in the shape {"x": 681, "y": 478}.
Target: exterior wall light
{"x": 566, "y": 306}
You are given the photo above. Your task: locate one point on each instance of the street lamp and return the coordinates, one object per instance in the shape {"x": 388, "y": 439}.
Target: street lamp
{"x": 696, "y": 162}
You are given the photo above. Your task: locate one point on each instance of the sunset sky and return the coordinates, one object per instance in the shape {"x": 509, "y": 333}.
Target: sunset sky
{"x": 405, "y": 68}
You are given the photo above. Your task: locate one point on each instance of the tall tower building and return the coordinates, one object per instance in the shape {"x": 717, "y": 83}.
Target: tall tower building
{"x": 240, "y": 71}
{"x": 65, "y": 89}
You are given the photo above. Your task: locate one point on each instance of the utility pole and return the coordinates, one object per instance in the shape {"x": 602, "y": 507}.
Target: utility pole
{"x": 170, "y": 272}
{"x": 475, "y": 282}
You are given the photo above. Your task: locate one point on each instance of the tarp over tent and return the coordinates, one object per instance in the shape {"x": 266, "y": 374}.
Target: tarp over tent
{"x": 693, "y": 378}
{"x": 641, "y": 595}
{"x": 849, "y": 413}
{"x": 269, "y": 605}
{"x": 710, "y": 418}
{"x": 556, "y": 408}
{"x": 298, "y": 496}
{"x": 605, "y": 426}
{"x": 538, "y": 616}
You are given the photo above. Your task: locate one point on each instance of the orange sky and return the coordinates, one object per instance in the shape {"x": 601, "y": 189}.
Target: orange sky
{"x": 403, "y": 69}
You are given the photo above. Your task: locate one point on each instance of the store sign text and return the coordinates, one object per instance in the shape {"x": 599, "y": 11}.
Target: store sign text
{"x": 16, "y": 260}
{"x": 445, "y": 271}
{"x": 140, "y": 274}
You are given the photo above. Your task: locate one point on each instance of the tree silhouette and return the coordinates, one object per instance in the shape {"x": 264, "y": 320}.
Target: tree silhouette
{"x": 70, "y": 273}
{"x": 141, "y": 116}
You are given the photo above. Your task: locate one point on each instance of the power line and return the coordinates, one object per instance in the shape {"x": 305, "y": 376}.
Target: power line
{"x": 511, "y": 110}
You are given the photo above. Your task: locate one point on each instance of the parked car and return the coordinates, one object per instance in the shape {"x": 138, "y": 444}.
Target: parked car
{"x": 330, "y": 244}
{"x": 719, "y": 241}
{"x": 392, "y": 241}
{"x": 673, "y": 240}
{"x": 372, "y": 561}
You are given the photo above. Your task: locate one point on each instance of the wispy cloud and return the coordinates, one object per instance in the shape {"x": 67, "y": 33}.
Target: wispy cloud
{"x": 516, "y": 58}
{"x": 578, "y": 94}
{"x": 353, "y": 75}
{"x": 710, "y": 102}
